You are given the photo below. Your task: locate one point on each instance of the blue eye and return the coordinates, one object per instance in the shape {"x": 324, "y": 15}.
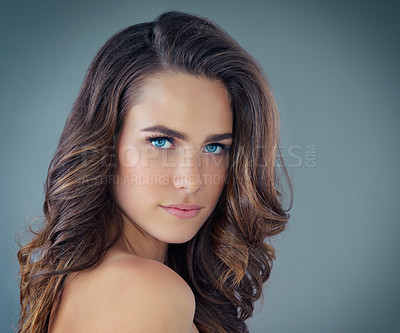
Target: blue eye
{"x": 214, "y": 149}
{"x": 162, "y": 143}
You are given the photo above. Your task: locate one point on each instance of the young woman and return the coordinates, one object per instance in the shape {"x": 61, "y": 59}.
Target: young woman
{"x": 162, "y": 192}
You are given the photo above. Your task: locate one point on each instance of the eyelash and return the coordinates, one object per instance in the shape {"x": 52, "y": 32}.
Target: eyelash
{"x": 150, "y": 139}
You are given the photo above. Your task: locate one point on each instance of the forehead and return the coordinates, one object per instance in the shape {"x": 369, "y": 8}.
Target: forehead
{"x": 183, "y": 102}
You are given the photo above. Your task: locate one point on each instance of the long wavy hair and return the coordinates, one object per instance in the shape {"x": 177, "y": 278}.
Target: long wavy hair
{"x": 229, "y": 259}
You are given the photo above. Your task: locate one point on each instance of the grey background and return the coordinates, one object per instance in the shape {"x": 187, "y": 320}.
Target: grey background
{"x": 334, "y": 69}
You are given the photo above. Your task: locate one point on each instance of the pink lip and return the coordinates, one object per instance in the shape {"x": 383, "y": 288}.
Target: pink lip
{"x": 183, "y": 206}
{"x": 182, "y": 211}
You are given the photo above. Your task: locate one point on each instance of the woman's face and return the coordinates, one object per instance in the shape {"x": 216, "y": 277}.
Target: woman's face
{"x": 172, "y": 155}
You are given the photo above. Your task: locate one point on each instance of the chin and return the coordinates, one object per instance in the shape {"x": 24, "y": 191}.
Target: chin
{"x": 179, "y": 239}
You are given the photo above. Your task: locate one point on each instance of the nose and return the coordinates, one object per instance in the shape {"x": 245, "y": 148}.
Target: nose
{"x": 188, "y": 175}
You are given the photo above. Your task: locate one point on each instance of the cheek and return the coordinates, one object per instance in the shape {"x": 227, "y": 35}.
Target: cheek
{"x": 142, "y": 163}
{"x": 142, "y": 180}
{"x": 214, "y": 177}
{"x": 139, "y": 177}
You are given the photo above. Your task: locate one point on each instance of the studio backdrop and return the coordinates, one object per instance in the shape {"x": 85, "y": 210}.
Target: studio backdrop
{"x": 334, "y": 70}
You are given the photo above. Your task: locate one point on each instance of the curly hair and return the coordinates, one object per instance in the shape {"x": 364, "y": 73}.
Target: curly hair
{"x": 229, "y": 259}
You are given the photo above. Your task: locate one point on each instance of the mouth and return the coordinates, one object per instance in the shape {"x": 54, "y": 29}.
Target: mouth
{"x": 182, "y": 211}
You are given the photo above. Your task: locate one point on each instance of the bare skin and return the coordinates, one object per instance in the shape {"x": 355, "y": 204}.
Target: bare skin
{"x": 131, "y": 290}
{"x": 116, "y": 296}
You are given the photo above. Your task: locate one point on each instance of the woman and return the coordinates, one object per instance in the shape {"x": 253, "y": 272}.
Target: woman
{"x": 162, "y": 190}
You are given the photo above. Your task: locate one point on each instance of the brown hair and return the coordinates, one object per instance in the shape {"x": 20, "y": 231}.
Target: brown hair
{"x": 228, "y": 260}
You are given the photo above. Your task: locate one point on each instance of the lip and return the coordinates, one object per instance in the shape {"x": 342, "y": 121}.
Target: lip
{"x": 183, "y": 206}
{"x": 182, "y": 211}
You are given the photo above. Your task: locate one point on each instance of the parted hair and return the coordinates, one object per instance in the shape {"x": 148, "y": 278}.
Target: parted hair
{"x": 230, "y": 258}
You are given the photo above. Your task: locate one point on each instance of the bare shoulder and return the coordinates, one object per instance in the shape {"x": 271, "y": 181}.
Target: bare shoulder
{"x": 128, "y": 294}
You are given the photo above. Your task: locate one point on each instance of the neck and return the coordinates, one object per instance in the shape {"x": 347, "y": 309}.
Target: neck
{"x": 138, "y": 242}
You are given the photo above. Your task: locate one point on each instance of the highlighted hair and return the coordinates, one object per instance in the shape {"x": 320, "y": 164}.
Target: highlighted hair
{"x": 228, "y": 261}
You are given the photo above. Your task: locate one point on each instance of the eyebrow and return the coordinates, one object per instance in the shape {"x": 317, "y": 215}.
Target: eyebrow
{"x": 182, "y": 136}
